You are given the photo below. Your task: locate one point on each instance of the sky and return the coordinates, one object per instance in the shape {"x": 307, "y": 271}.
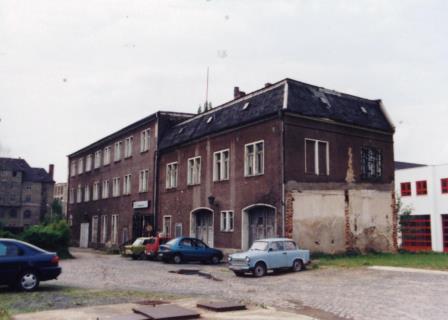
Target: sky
{"x": 72, "y": 72}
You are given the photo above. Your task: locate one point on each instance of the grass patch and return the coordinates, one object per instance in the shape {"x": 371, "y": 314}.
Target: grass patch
{"x": 51, "y": 297}
{"x": 422, "y": 260}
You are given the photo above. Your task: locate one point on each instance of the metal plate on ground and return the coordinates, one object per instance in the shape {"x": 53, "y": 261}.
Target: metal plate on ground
{"x": 131, "y": 316}
{"x": 221, "y": 306}
{"x": 166, "y": 312}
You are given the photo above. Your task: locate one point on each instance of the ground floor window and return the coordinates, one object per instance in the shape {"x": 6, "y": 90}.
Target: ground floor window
{"x": 114, "y": 229}
{"x": 227, "y": 221}
{"x": 416, "y": 232}
{"x": 94, "y": 229}
{"x": 178, "y": 230}
{"x": 103, "y": 229}
{"x": 167, "y": 226}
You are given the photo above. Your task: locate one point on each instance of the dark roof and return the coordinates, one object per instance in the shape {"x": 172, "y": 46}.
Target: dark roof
{"x": 29, "y": 174}
{"x": 399, "y": 165}
{"x": 287, "y": 95}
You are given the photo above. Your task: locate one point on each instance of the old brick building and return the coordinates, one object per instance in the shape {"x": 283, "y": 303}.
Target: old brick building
{"x": 26, "y": 193}
{"x": 290, "y": 159}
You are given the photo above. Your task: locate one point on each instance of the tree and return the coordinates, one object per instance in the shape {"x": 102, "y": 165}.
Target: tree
{"x": 56, "y": 210}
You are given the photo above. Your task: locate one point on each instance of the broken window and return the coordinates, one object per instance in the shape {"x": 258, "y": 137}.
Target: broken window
{"x": 371, "y": 163}
{"x": 317, "y": 157}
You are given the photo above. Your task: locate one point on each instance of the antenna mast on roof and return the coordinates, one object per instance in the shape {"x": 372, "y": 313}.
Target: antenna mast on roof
{"x": 206, "y": 88}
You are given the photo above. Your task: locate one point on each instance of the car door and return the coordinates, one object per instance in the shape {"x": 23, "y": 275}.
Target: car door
{"x": 11, "y": 256}
{"x": 291, "y": 252}
{"x": 202, "y": 252}
{"x": 275, "y": 256}
{"x": 187, "y": 249}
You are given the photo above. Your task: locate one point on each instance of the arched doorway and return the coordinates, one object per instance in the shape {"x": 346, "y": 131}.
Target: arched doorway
{"x": 201, "y": 222}
{"x": 258, "y": 223}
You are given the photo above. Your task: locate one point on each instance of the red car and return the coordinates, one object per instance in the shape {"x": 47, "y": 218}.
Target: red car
{"x": 152, "y": 246}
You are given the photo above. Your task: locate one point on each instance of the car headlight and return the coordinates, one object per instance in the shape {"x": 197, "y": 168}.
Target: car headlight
{"x": 247, "y": 259}
{"x": 229, "y": 258}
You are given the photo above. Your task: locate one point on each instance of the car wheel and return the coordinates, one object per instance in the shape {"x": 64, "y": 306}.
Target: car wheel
{"x": 297, "y": 265}
{"x": 177, "y": 259}
{"x": 28, "y": 281}
{"x": 259, "y": 270}
{"x": 238, "y": 273}
{"x": 215, "y": 260}
{"x": 142, "y": 256}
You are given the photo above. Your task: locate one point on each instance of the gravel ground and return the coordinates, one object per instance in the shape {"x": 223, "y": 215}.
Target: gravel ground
{"x": 357, "y": 293}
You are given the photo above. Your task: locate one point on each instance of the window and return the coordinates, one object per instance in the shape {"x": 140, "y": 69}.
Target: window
{"x": 143, "y": 181}
{"x": 194, "y": 171}
{"x": 10, "y": 250}
{"x": 114, "y": 229}
{"x": 421, "y": 187}
{"x": 371, "y": 163}
{"x": 227, "y": 221}
{"x": 178, "y": 230}
{"x": 87, "y": 193}
{"x": 221, "y": 165}
{"x": 171, "y": 175}
{"x": 145, "y": 140}
{"x": 71, "y": 195}
{"x": 88, "y": 162}
{"x": 103, "y": 229}
{"x": 444, "y": 183}
{"x": 106, "y": 156}
{"x": 167, "y": 226}
{"x": 405, "y": 189}
{"x": 79, "y": 194}
{"x": 94, "y": 229}
{"x": 117, "y": 151}
{"x": 105, "y": 193}
{"x": 73, "y": 169}
{"x": 13, "y": 213}
{"x": 289, "y": 245}
{"x": 80, "y": 165}
{"x": 116, "y": 187}
{"x": 128, "y": 147}
{"x": 96, "y": 190}
{"x": 27, "y": 214}
{"x": 127, "y": 184}
{"x": 97, "y": 161}
{"x": 254, "y": 159}
{"x": 317, "y": 157}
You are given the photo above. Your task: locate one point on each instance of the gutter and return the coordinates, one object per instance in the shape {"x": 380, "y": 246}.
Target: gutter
{"x": 155, "y": 180}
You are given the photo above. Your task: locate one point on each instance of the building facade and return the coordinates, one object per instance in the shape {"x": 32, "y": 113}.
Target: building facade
{"x": 26, "y": 193}
{"x": 423, "y": 191}
{"x": 61, "y": 194}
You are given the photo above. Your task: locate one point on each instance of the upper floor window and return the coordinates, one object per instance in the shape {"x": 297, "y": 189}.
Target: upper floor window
{"x": 145, "y": 140}
{"x": 221, "y": 166}
{"x": 171, "y": 175}
{"x": 80, "y": 165}
{"x": 371, "y": 163}
{"x": 116, "y": 187}
{"x": 97, "y": 161}
{"x": 194, "y": 171}
{"x": 127, "y": 184}
{"x": 317, "y": 157}
{"x": 88, "y": 162}
{"x": 254, "y": 158}
{"x": 106, "y": 156}
{"x": 421, "y": 187}
{"x": 444, "y": 183}
{"x": 227, "y": 221}
{"x": 86, "y": 193}
{"x": 105, "y": 193}
{"x": 143, "y": 181}
{"x": 117, "y": 150}
{"x": 166, "y": 227}
{"x": 96, "y": 190}
{"x": 79, "y": 194}
{"x": 405, "y": 189}
{"x": 128, "y": 147}
{"x": 73, "y": 169}
{"x": 71, "y": 195}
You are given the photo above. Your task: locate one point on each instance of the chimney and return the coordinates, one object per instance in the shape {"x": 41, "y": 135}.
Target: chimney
{"x": 51, "y": 170}
{"x": 267, "y": 84}
{"x": 237, "y": 93}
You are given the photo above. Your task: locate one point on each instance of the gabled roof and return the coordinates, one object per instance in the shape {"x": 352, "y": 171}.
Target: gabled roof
{"x": 284, "y": 96}
{"x": 399, "y": 165}
{"x": 29, "y": 174}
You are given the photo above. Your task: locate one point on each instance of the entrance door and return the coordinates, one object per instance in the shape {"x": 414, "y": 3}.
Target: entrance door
{"x": 84, "y": 235}
{"x": 204, "y": 227}
{"x": 416, "y": 232}
{"x": 141, "y": 225}
{"x": 445, "y": 232}
{"x": 261, "y": 223}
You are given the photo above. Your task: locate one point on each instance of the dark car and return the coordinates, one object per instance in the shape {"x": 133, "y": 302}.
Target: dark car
{"x": 185, "y": 249}
{"x": 24, "y": 266}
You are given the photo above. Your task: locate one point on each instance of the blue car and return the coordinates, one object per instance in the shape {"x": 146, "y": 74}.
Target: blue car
{"x": 23, "y": 265}
{"x": 185, "y": 249}
{"x": 269, "y": 254}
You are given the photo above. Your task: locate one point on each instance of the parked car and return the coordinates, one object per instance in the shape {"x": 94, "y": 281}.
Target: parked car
{"x": 153, "y": 245}
{"x": 24, "y": 266}
{"x": 185, "y": 249}
{"x": 136, "y": 250}
{"x": 269, "y": 254}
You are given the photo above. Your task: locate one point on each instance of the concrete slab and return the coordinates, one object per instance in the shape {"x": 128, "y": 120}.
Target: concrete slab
{"x": 167, "y": 312}
{"x": 400, "y": 269}
{"x": 221, "y": 306}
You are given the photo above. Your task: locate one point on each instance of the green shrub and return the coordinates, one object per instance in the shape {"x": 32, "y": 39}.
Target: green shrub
{"x": 7, "y": 234}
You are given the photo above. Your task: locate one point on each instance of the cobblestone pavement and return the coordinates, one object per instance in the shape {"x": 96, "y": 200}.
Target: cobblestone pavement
{"x": 338, "y": 293}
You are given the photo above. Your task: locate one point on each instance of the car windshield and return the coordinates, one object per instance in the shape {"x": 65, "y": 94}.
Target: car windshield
{"x": 171, "y": 242}
{"x": 138, "y": 242}
{"x": 259, "y": 245}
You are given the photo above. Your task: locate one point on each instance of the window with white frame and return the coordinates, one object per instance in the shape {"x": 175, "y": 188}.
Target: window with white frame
{"x": 254, "y": 159}
{"x": 221, "y": 166}
{"x": 86, "y": 193}
{"x": 114, "y": 229}
{"x": 96, "y": 190}
{"x": 106, "y": 156}
{"x": 127, "y": 184}
{"x": 178, "y": 230}
{"x": 227, "y": 221}
{"x": 88, "y": 162}
{"x": 116, "y": 187}
{"x": 194, "y": 171}
{"x": 128, "y": 147}
{"x": 80, "y": 165}
{"x": 73, "y": 169}
{"x": 171, "y": 175}
{"x": 167, "y": 226}
{"x": 317, "y": 157}
{"x": 71, "y": 195}
{"x": 117, "y": 150}
{"x": 94, "y": 229}
{"x": 103, "y": 229}
{"x": 105, "y": 192}
{"x": 143, "y": 181}
{"x": 79, "y": 194}
{"x": 145, "y": 140}
{"x": 97, "y": 160}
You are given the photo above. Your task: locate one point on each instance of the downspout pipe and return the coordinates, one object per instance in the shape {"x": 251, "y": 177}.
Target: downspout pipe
{"x": 155, "y": 180}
